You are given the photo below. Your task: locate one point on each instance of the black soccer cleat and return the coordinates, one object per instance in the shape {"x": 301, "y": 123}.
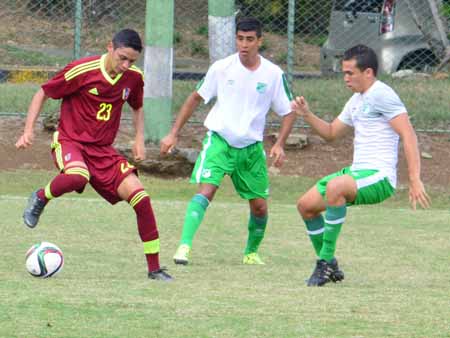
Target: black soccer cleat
{"x": 161, "y": 275}
{"x": 337, "y": 275}
{"x": 322, "y": 274}
{"x": 33, "y": 210}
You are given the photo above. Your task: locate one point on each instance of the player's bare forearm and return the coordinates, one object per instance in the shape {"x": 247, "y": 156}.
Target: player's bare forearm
{"x": 403, "y": 127}
{"x": 417, "y": 193}
{"x": 34, "y": 109}
{"x": 139, "y": 123}
{"x": 412, "y": 155}
{"x": 285, "y": 129}
{"x": 186, "y": 111}
{"x": 328, "y": 131}
{"x": 139, "y": 145}
{"x": 26, "y": 139}
{"x": 169, "y": 142}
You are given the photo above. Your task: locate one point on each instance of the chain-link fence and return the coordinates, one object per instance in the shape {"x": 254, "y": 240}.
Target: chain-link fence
{"x": 305, "y": 37}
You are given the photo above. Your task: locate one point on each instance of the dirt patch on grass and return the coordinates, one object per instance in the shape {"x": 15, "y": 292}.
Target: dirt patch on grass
{"x": 315, "y": 160}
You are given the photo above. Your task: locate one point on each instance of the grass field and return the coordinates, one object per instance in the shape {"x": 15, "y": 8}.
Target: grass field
{"x": 396, "y": 263}
{"x": 425, "y": 99}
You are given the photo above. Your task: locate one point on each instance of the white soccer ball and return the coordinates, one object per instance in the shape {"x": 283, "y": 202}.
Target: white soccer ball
{"x": 44, "y": 260}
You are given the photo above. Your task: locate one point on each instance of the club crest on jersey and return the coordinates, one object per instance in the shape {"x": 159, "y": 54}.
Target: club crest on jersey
{"x": 261, "y": 87}
{"x": 125, "y": 93}
{"x": 206, "y": 173}
{"x": 68, "y": 157}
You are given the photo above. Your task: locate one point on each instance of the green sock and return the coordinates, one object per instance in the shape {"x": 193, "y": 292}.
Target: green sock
{"x": 315, "y": 229}
{"x": 334, "y": 218}
{"x": 256, "y": 229}
{"x": 194, "y": 216}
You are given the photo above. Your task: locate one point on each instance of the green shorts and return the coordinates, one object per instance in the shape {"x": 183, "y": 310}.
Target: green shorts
{"x": 373, "y": 187}
{"x": 246, "y": 166}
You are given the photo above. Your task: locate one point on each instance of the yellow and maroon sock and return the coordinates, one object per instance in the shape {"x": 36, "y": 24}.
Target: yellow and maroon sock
{"x": 73, "y": 179}
{"x": 146, "y": 222}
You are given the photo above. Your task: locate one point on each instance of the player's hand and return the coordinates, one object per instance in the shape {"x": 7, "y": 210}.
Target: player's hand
{"x": 139, "y": 151}
{"x": 26, "y": 140}
{"x": 300, "y": 106}
{"x": 167, "y": 144}
{"x": 417, "y": 193}
{"x": 277, "y": 153}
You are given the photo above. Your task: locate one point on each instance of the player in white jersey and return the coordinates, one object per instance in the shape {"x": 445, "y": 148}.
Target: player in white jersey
{"x": 247, "y": 87}
{"x": 378, "y": 118}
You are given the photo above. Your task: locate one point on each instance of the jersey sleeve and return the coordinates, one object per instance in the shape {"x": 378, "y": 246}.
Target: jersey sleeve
{"x": 136, "y": 98}
{"x": 345, "y": 116}
{"x": 388, "y": 104}
{"x": 207, "y": 87}
{"x": 282, "y": 96}
{"x": 62, "y": 85}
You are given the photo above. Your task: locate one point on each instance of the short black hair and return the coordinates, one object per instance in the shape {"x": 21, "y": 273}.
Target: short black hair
{"x": 127, "y": 38}
{"x": 249, "y": 24}
{"x": 365, "y": 57}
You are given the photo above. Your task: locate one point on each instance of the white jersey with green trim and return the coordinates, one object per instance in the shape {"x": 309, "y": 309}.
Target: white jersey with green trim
{"x": 375, "y": 142}
{"x": 244, "y": 98}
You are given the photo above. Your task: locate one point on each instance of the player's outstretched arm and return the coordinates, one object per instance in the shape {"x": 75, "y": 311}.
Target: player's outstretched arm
{"x": 186, "y": 111}
{"x": 26, "y": 139}
{"x": 139, "y": 145}
{"x": 277, "y": 150}
{"x": 417, "y": 193}
{"x": 326, "y": 130}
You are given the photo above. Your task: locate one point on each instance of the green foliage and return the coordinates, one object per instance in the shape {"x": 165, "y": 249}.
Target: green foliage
{"x": 311, "y": 16}
{"x": 425, "y": 99}
{"x": 177, "y": 37}
{"x": 197, "y": 47}
{"x": 202, "y": 30}
{"x": 281, "y": 58}
{"x": 52, "y": 8}
{"x": 315, "y": 40}
{"x": 272, "y": 13}
{"x": 13, "y": 55}
{"x": 264, "y": 46}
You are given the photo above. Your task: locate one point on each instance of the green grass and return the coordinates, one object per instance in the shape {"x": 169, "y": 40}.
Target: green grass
{"x": 395, "y": 260}
{"x": 425, "y": 99}
{"x": 15, "y": 98}
{"x": 11, "y": 55}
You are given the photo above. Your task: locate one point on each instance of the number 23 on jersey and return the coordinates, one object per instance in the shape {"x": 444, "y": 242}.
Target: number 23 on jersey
{"x": 104, "y": 113}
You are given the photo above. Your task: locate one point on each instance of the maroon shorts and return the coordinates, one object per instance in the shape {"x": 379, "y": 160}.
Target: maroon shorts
{"x": 107, "y": 168}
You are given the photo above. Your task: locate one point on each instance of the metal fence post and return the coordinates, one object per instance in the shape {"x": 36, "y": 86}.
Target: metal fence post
{"x": 290, "y": 34}
{"x": 158, "y": 68}
{"x": 78, "y": 25}
{"x": 221, "y": 29}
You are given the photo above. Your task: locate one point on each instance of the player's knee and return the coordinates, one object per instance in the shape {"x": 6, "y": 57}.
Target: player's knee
{"x": 78, "y": 181}
{"x": 304, "y": 207}
{"x": 334, "y": 189}
{"x": 340, "y": 188}
{"x": 259, "y": 210}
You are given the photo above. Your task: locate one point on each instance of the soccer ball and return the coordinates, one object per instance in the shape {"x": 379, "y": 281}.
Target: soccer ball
{"x": 44, "y": 260}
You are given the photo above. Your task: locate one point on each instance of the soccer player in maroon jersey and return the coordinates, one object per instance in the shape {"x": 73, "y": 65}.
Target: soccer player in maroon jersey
{"x": 93, "y": 91}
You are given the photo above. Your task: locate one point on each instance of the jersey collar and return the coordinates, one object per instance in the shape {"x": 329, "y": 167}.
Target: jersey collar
{"x": 105, "y": 73}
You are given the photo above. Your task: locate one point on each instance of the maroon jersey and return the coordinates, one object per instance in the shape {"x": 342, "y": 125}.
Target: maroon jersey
{"x": 92, "y": 101}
